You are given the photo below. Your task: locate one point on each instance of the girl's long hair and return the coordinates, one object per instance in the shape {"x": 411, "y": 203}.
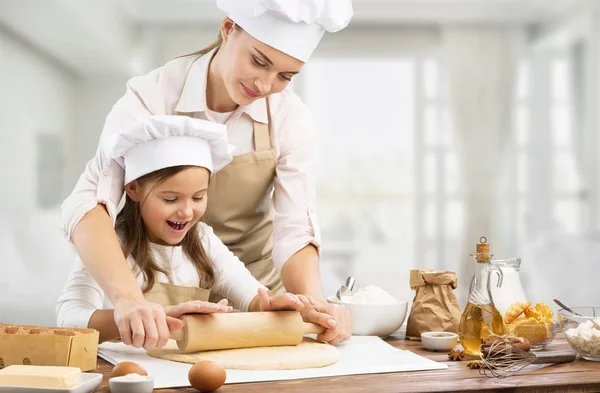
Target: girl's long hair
{"x": 135, "y": 243}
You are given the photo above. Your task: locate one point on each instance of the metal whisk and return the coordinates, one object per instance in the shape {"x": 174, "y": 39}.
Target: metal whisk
{"x": 504, "y": 359}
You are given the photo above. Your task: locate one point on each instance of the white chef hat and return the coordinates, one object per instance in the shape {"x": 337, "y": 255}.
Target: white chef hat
{"x": 294, "y": 27}
{"x": 159, "y": 142}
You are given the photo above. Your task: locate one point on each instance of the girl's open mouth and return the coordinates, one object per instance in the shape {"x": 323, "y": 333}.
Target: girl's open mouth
{"x": 177, "y": 225}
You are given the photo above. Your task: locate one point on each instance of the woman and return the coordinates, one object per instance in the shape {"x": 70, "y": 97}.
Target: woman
{"x": 176, "y": 259}
{"x": 262, "y": 204}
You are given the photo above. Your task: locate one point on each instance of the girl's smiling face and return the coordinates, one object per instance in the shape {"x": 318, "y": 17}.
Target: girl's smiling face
{"x": 172, "y": 207}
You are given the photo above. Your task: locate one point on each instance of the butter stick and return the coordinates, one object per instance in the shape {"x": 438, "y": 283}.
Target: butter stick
{"x": 40, "y": 376}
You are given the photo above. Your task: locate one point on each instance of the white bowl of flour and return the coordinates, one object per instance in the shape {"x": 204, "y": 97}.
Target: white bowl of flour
{"x": 375, "y": 312}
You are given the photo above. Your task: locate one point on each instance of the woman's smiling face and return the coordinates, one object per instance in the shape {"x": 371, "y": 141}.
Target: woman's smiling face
{"x": 251, "y": 69}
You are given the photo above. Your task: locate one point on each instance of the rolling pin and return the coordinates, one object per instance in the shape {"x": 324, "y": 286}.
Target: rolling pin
{"x": 207, "y": 332}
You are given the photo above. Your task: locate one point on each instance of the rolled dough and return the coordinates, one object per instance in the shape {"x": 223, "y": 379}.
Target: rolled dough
{"x": 308, "y": 354}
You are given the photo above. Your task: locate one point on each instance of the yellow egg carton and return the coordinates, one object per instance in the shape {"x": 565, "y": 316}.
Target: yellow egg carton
{"x": 48, "y": 346}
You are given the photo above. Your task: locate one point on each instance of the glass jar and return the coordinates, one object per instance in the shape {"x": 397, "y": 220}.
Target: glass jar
{"x": 511, "y": 289}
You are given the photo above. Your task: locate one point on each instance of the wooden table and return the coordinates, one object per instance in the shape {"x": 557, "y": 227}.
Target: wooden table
{"x": 579, "y": 376}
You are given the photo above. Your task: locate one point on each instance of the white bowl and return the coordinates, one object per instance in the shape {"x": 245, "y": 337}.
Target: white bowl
{"x": 439, "y": 341}
{"x": 122, "y": 385}
{"x": 374, "y": 319}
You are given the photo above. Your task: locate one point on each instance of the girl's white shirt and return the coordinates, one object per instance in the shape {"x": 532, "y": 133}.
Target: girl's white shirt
{"x": 82, "y": 295}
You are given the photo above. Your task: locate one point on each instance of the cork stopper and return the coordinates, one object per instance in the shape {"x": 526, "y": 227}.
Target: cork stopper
{"x": 482, "y": 251}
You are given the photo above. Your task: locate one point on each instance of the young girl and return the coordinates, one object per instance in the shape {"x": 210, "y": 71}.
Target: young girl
{"x": 176, "y": 259}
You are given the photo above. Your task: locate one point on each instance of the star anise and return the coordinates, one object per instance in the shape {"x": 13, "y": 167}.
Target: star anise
{"x": 456, "y": 355}
{"x": 476, "y": 364}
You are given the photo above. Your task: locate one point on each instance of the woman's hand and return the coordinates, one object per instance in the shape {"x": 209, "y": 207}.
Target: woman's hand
{"x": 197, "y": 307}
{"x": 285, "y": 301}
{"x": 334, "y": 317}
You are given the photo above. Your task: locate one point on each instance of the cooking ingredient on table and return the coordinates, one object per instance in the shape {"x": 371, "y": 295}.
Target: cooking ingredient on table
{"x": 54, "y": 377}
{"x": 480, "y": 317}
{"x": 533, "y": 323}
{"x": 439, "y": 341}
{"x": 371, "y": 294}
{"x": 131, "y": 383}
{"x": 435, "y": 307}
{"x": 126, "y": 368}
{"x": 207, "y": 376}
{"x": 585, "y": 339}
{"x": 456, "y": 355}
{"x": 205, "y": 332}
{"x": 501, "y": 343}
{"x": 374, "y": 311}
{"x": 308, "y": 354}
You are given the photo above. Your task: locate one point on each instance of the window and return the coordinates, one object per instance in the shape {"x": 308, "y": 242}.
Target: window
{"x": 439, "y": 207}
{"x": 548, "y": 175}
{"x": 566, "y": 181}
{"x": 388, "y": 182}
{"x": 366, "y": 176}
{"x": 386, "y": 167}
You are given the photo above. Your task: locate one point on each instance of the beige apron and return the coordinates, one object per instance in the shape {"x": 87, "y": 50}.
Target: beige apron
{"x": 239, "y": 206}
{"x": 170, "y": 295}
{"x": 237, "y": 210}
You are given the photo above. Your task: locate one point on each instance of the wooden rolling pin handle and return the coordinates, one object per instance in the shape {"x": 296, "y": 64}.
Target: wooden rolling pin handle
{"x": 312, "y": 328}
{"x": 178, "y": 335}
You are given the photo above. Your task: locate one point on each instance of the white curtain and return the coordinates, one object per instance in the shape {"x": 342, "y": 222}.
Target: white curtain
{"x": 481, "y": 77}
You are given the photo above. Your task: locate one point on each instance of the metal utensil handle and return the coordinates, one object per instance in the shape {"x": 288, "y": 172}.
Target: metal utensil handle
{"x": 565, "y": 307}
{"x": 554, "y": 357}
{"x": 350, "y": 283}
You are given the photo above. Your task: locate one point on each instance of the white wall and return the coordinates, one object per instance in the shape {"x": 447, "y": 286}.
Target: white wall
{"x": 94, "y": 98}
{"x": 37, "y": 98}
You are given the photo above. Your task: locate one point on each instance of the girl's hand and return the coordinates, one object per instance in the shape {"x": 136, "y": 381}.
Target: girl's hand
{"x": 197, "y": 307}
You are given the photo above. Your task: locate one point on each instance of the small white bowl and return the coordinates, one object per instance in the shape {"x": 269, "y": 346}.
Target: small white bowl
{"x": 374, "y": 319}
{"x": 122, "y": 385}
{"x": 439, "y": 341}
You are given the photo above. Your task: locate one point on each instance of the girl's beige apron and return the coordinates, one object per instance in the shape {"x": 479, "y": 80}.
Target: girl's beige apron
{"x": 237, "y": 210}
{"x": 170, "y": 295}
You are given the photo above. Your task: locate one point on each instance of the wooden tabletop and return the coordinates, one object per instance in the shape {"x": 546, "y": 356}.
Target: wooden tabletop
{"x": 579, "y": 376}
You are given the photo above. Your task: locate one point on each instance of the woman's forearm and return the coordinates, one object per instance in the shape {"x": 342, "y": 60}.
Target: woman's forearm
{"x": 104, "y": 322}
{"x": 100, "y": 251}
{"x": 301, "y": 274}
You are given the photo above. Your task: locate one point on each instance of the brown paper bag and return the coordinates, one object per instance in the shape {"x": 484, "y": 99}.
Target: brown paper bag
{"x": 435, "y": 307}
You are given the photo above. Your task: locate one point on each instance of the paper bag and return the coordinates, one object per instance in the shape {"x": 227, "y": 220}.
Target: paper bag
{"x": 435, "y": 307}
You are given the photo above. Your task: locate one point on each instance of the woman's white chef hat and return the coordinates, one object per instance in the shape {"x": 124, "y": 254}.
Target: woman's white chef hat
{"x": 294, "y": 27}
{"x": 159, "y": 142}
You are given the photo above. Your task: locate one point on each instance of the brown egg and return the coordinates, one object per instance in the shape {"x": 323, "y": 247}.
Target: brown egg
{"x": 125, "y": 368}
{"x": 206, "y": 376}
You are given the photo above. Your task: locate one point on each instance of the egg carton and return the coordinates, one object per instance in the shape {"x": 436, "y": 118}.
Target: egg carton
{"x": 21, "y": 330}
{"x": 48, "y": 346}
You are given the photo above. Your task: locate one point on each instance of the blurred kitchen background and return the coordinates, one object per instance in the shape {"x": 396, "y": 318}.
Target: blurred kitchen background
{"x": 440, "y": 121}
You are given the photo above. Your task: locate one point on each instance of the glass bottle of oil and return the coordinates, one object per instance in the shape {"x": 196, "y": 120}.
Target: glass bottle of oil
{"x": 480, "y": 318}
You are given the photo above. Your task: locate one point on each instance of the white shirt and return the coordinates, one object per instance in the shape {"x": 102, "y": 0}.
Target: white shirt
{"x": 171, "y": 89}
{"x": 82, "y": 295}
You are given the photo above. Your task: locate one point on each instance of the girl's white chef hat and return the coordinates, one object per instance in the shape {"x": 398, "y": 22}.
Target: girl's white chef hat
{"x": 158, "y": 142}
{"x": 294, "y": 27}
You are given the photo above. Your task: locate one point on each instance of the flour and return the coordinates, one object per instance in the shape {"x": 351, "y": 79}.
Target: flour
{"x": 133, "y": 377}
{"x": 585, "y": 339}
{"x": 371, "y": 294}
